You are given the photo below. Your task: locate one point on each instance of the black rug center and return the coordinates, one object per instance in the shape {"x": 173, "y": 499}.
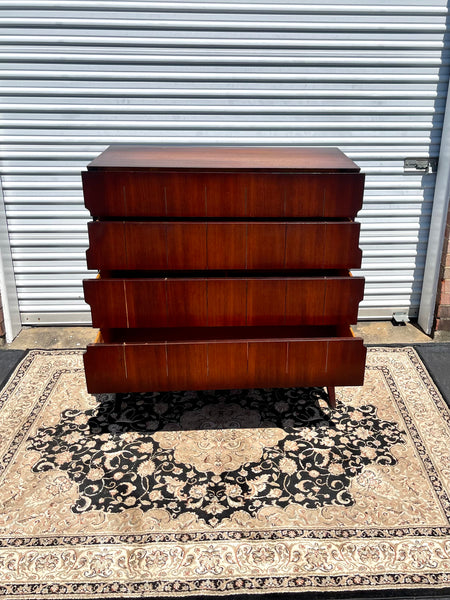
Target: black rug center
{"x": 215, "y": 453}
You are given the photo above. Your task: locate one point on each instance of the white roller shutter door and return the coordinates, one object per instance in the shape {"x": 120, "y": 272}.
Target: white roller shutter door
{"x": 78, "y": 75}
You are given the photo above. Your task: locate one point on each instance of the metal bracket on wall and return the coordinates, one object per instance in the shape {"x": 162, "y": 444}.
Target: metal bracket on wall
{"x": 420, "y": 165}
{"x": 400, "y": 318}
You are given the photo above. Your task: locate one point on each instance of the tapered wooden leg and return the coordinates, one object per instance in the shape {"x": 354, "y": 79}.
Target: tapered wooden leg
{"x": 332, "y": 396}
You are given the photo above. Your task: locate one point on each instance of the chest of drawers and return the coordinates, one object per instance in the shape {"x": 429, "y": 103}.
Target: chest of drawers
{"x": 223, "y": 268}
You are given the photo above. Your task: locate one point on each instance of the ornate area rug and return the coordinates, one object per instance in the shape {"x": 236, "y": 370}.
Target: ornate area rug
{"x": 235, "y": 492}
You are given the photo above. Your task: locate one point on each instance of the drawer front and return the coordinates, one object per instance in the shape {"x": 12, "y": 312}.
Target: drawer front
{"x": 169, "y": 366}
{"x": 147, "y": 194}
{"x": 137, "y": 303}
{"x": 201, "y": 246}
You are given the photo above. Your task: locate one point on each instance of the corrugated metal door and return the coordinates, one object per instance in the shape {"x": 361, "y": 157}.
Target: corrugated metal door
{"x": 77, "y": 75}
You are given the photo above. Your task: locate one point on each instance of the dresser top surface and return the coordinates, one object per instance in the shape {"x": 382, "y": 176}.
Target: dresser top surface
{"x": 215, "y": 158}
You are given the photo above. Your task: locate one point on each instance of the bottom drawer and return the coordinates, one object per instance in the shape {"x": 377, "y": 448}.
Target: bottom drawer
{"x": 223, "y": 358}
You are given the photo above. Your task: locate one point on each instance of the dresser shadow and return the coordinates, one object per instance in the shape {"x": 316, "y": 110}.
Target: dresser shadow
{"x": 148, "y": 413}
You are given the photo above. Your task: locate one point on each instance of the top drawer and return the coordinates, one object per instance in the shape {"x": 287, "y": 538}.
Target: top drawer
{"x": 203, "y": 194}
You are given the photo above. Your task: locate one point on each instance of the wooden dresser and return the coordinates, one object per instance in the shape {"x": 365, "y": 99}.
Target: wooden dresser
{"x": 223, "y": 268}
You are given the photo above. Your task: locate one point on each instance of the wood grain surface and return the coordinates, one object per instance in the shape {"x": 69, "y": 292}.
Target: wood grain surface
{"x": 137, "y": 245}
{"x": 235, "y": 158}
{"x": 218, "y": 302}
{"x": 175, "y": 194}
{"x": 224, "y": 364}
{"x": 223, "y": 267}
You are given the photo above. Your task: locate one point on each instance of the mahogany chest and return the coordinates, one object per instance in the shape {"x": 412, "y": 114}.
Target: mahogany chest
{"x": 223, "y": 267}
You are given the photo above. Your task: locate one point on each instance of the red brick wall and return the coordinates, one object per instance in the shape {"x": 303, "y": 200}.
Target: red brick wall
{"x": 443, "y": 296}
{"x": 2, "y": 320}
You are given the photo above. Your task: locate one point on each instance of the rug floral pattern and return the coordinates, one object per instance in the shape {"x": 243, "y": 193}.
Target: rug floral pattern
{"x": 209, "y": 454}
{"x": 225, "y": 492}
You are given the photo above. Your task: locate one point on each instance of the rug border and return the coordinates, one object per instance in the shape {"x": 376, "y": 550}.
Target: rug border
{"x": 406, "y": 591}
